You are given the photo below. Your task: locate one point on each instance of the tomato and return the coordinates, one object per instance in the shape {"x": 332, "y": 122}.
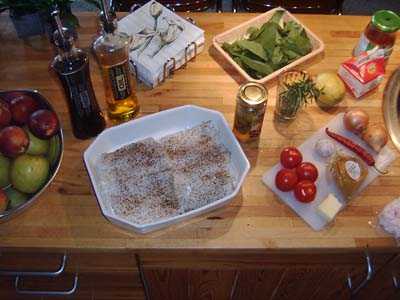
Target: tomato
{"x": 286, "y": 180}
{"x": 305, "y": 191}
{"x": 291, "y": 157}
{"x": 307, "y": 171}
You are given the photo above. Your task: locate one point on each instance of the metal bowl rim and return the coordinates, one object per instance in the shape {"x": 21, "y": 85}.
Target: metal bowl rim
{"x": 8, "y": 214}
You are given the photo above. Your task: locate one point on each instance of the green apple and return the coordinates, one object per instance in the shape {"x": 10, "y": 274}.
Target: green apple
{"x": 15, "y": 197}
{"x": 29, "y": 173}
{"x": 36, "y": 146}
{"x": 4, "y": 171}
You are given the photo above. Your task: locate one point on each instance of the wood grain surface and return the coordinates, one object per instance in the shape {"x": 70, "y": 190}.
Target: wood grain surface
{"x": 68, "y": 216}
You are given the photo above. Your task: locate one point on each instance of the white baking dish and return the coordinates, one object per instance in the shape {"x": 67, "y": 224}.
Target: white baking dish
{"x": 156, "y": 126}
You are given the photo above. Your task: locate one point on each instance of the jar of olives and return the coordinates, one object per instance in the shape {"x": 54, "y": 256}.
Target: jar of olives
{"x": 251, "y": 103}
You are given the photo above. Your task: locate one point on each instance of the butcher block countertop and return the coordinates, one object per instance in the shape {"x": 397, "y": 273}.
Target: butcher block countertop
{"x": 67, "y": 215}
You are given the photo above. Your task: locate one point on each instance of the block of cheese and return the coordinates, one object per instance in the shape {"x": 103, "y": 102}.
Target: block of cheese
{"x": 329, "y": 207}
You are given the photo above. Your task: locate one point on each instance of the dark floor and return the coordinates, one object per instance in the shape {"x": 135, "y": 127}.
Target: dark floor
{"x": 351, "y": 7}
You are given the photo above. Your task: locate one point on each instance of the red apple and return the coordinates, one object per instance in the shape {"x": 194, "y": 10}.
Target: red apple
{"x": 43, "y": 123}
{"x": 5, "y": 114}
{"x": 22, "y": 107}
{"x": 9, "y": 96}
{"x": 3, "y": 201}
{"x": 13, "y": 141}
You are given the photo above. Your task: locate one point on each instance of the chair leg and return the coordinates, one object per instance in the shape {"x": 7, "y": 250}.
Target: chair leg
{"x": 340, "y": 7}
{"x": 219, "y": 6}
{"x": 234, "y": 6}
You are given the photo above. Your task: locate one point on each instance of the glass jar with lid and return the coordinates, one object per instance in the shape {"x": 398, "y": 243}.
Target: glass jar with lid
{"x": 251, "y": 102}
{"x": 380, "y": 33}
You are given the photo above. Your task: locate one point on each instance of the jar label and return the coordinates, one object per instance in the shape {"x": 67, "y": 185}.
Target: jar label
{"x": 364, "y": 44}
{"x": 249, "y": 120}
{"x": 119, "y": 77}
{"x": 353, "y": 169}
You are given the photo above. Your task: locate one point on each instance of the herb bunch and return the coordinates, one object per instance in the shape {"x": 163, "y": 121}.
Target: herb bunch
{"x": 297, "y": 93}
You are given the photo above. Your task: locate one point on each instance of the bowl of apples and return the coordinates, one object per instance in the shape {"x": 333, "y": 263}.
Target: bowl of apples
{"x": 31, "y": 148}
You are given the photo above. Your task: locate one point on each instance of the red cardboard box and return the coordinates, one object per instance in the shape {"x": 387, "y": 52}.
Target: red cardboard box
{"x": 363, "y": 73}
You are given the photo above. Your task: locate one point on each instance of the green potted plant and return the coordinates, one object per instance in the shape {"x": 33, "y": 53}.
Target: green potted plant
{"x": 68, "y": 19}
{"x": 24, "y": 15}
{"x": 32, "y": 17}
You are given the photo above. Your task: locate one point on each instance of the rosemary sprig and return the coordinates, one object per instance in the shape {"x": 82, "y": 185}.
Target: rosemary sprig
{"x": 296, "y": 94}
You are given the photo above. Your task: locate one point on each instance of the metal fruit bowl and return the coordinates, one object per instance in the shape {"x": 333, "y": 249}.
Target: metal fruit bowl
{"x": 391, "y": 107}
{"x": 44, "y": 103}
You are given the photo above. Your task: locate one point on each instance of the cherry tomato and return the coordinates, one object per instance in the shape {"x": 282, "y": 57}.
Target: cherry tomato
{"x": 286, "y": 180}
{"x": 307, "y": 171}
{"x": 305, "y": 191}
{"x": 291, "y": 157}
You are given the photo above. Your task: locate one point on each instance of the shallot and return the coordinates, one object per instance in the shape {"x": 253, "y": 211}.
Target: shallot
{"x": 356, "y": 120}
{"x": 375, "y": 136}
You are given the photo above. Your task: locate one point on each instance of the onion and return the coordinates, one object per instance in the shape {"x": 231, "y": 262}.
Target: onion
{"x": 356, "y": 120}
{"x": 375, "y": 136}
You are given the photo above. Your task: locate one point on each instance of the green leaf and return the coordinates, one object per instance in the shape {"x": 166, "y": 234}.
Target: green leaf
{"x": 254, "y": 48}
{"x": 260, "y": 67}
{"x": 299, "y": 44}
{"x": 277, "y": 17}
{"x": 238, "y": 61}
{"x": 70, "y": 21}
{"x": 253, "y": 33}
{"x": 233, "y": 49}
{"x": 277, "y": 56}
{"x": 269, "y": 37}
{"x": 291, "y": 55}
{"x": 292, "y": 28}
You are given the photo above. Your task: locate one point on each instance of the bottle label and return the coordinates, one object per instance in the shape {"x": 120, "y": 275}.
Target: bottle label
{"x": 119, "y": 77}
{"x": 364, "y": 44}
{"x": 79, "y": 93}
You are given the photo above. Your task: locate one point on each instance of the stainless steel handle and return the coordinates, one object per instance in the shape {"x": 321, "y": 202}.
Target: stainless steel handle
{"x": 47, "y": 293}
{"x": 396, "y": 283}
{"x": 134, "y": 7}
{"x": 60, "y": 269}
{"x": 370, "y": 273}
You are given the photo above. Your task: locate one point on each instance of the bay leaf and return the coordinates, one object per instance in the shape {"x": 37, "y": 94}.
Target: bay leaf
{"x": 277, "y": 16}
{"x": 269, "y": 37}
{"x": 260, "y": 67}
{"x": 253, "y": 47}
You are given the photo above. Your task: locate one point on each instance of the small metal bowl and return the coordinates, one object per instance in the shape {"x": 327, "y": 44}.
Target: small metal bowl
{"x": 44, "y": 103}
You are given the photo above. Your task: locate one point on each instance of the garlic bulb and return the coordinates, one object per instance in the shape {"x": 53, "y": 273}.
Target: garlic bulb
{"x": 325, "y": 148}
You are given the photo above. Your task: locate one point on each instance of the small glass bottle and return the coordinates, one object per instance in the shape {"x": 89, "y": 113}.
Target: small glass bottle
{"x": 112, "y": 53}
{"x": 72, "y": 67}
{"x": 380, "y": 33}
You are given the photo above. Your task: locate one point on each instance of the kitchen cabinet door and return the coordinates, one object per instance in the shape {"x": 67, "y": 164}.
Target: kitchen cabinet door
{"x": 101, "y": 276}
{"x": 307, "y": 276}
{"x": 183, "y": 284}
{"x": 383, "y": 284}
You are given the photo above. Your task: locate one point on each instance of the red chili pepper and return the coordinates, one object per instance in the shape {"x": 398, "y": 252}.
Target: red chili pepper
{"x": 357, "y": 149}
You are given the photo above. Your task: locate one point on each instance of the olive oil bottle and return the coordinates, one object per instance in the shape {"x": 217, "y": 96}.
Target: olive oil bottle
{"x": 112, "y": 52}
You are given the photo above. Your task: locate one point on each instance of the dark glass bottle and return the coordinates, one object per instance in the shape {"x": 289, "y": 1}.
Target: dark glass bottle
{"x": 72, "y": 67}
